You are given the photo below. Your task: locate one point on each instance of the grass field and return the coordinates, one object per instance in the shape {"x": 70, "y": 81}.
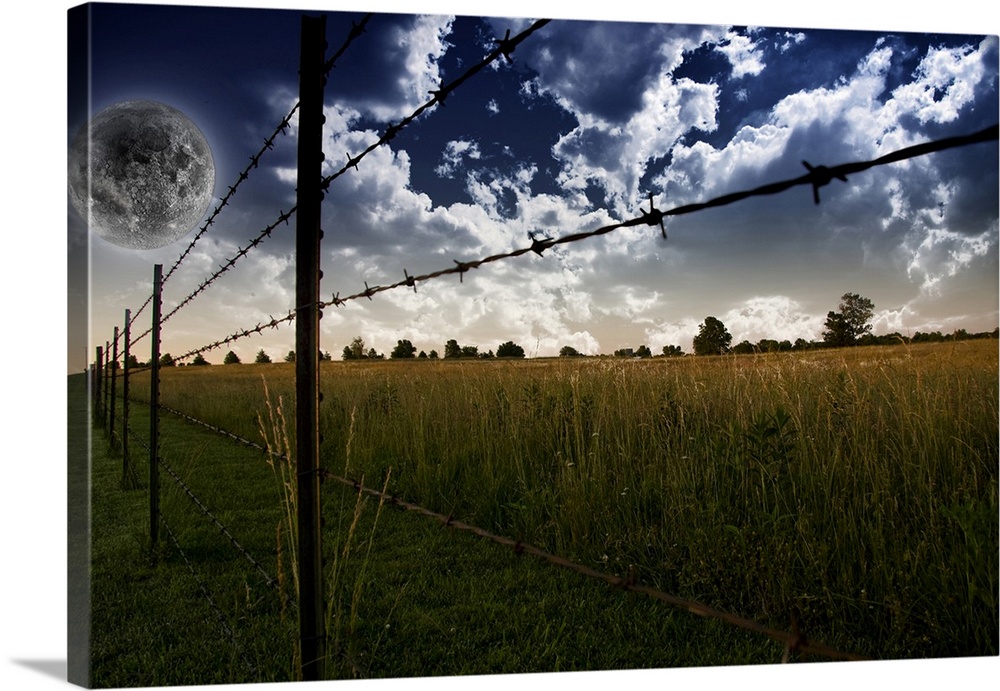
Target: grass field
{"x": 858, "y": 486}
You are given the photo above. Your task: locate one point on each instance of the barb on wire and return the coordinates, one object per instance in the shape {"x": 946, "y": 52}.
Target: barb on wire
{"x": 794, "y": 641}
{"x": 355, "y": 32}
{"x": 504, "y": 48}
{"x": 244, "y": 175}
{"x": 817, "y": 177}
{"x": 259, "y": 328}
{"x": 282, "y": 127}
{"x": 223, "y": 268}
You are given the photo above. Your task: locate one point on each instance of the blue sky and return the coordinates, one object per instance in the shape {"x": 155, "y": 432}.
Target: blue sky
{"x": 589, "y": 119}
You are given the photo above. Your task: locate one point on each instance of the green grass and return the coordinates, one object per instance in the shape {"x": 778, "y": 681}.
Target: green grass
{"x": 858, "y": 486}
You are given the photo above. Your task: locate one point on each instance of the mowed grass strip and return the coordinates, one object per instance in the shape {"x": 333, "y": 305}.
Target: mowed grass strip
{"x": 858, "y": 486}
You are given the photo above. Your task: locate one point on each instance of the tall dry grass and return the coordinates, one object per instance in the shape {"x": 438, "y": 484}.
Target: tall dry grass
{"x": 857, "y": 485}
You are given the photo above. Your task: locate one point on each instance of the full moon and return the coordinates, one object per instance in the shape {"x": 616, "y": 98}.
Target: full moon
{"x": 141, "y": 173}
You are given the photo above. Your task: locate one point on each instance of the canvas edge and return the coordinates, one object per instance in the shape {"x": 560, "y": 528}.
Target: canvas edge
{"x": 78, "y": 668}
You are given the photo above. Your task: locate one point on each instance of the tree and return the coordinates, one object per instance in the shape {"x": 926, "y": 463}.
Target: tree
{"x": 290, "y": 357}
{"x": 404, "y": 349}
{"x": 713, "y": 338}
{"x": 372, "y": 355}
{"x": 850, "y": 322}
{"x": 325, "y": 355}
{"x": 357, "y": 349}
{"x": 672, "y": 351}
{"x": 231, "y": 359}
{"x": 470, "y": 351}
{"x": 167, "y": 360}
{"x": 510, "y": 349}
{"x": 568, "y": 351}
{"x": 452, "y": 349}
{"x": 262, "y": 358}
{"x": 199, "y": 359}
{"x": 433, "y": 355}
{"x": 133, "y": 361}
{"x": 643, "y": 351}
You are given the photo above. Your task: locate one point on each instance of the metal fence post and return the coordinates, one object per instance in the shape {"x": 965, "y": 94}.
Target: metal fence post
{"x": 154, "y": 411}
{"x": 307, "y": 273}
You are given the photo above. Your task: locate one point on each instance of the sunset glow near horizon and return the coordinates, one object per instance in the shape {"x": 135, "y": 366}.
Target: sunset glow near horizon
{"x": 588, "y": 121}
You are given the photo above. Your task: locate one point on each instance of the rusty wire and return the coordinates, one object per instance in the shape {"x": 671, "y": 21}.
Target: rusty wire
{"x": 816, "y": 177}
{"x": 505, "y": 47}
{"x": 243, "y": 333}
{"x": 285, "y": 124}
{"x": 795, "y": 641}
{"x": 244, "y": 175}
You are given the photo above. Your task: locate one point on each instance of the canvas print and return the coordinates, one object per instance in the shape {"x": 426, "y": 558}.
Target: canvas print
{"x": 408, "y": 346}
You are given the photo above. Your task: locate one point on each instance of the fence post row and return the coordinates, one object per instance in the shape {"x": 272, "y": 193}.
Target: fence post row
{"x": 307, "y": 274}
{"x": 154, "y": 411}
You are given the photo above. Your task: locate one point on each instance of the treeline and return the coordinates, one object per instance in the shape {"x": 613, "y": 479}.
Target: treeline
{"x": 405, "y": 350}
{"x": 452, "y": 350}
{"x": 770, "y": 345}
{"x": 848, "y": 326}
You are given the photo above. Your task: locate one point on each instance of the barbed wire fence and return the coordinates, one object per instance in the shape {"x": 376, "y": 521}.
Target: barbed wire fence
{"x": 110, "y": 364}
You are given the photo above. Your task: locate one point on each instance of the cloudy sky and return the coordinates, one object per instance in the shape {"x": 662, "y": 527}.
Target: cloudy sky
{"x": 588, "y": 121}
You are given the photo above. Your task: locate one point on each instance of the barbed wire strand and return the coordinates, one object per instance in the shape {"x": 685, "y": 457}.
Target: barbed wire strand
{"x": 268, "y": 579}
{"x": 259, "y": 328}
{"x": 794, "y": 642}
{"x": 219, "y": 614}
{"x": 818, "y": 176}
{"x": 283, "y": 126}
{"x": 505, "y": 47}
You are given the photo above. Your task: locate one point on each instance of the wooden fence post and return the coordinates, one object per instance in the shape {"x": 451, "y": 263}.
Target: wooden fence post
{"x": 312, "y": 636}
